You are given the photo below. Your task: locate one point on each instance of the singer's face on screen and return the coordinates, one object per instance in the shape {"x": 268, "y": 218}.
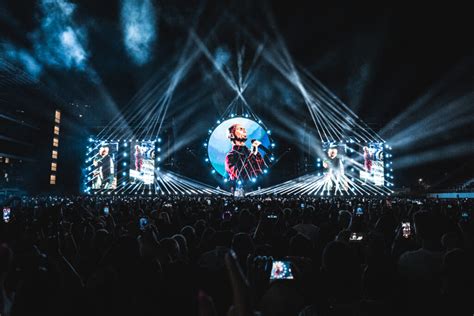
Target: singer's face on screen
{"x": 332, "y": 153}
{"x": 240, "y": 133}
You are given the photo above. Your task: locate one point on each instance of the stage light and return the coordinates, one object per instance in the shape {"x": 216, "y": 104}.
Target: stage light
{"x": 209, "y": 131}
{"x": 352, "y": 169}
{"x": 207, "y": 159}
{"x": 89, "y": 168}
{"x": 91, "y": 139}
{"x": 205, "y": 144}
{"x": 124, "y": 173}
{"x": 272, "y": 158}
{"x": 213, "y": 171}
{"x": 124, "y": 183}
{"x": 318, "y": 165}
{"x": 124, "y": 164}
{"x": 125, "y": 154}
{"x": 269, "y": 132}
{"x": 273, "y": 144}
{"x": 225, "y": 180}
{"x": 159, "y": 140}
{"x": 246, "y": 115}
{"x": 158, "y": 159}
{"x": 259, "y": 122}
{"x": 218, "y": 121}
{"x": 125, "y": 145}
{"x": 239, "y": 182}
{"x": 159, "y": 149}
{"x": 254, "y": 180}
{"x": 318, "y": 160}
{"x": 319, "y": 174}
{"x": 387, "y": 165}
{"x": 265, "y": 171}
{"x": 158, "y": 168}
{"x": 232, "y": 115}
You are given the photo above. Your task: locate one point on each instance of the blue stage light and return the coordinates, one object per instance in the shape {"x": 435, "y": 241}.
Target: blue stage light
{"x": 273, "y": 144}
{"x": 225, "y": 180}
{"x": 218, "y": 121}
{"x": 124, "y": 164}
{"x": 125, "y": 154}
{"x": 159, "y": 149}
{"x": 159, "y": 140}
{"x": 125, "y": 145}
{"x": 269, "y": 132}
{"x": 254, "y": 180}
{"x": 91, "y": 139}
{"x": 265, "y": 171}
{"x": 207, "y": 159}
{"x": 239, "y": 182}
{"x": 213, "y": 171}
{"x": 318, "y": 165}
{"x": 124, "y": 173}
{"x": 318, "y": 160}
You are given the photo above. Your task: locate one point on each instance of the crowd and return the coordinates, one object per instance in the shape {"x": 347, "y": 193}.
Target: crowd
{"x": 106, "y": 255}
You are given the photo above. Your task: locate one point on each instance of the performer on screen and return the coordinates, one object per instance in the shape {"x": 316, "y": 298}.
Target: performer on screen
{"x": 335, "y": 166}
{"x": 242, "y": 163}
{"x": 367, "y": 160}
{"x": 105, "y": 165}
{"x": 368, "y": 157}
{"x": 138, "y": 158}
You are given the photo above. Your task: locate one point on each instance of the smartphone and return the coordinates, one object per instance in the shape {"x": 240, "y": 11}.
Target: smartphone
{"x": 259, "y": 207}
{"x": 209, "y": 202}
{"x": 106, "y": 210}
{"x": 359, "y": 211}
{"x": 356, "y": 237}
{"x": 465, "y": 216}
{"x": 142, "y": 223}
{"x": 6, "y": 214}
{"x": 272, "y": 216}
{"x": 302, "y": 205}
{"x": 406, "y": 229}
{"x": 281, "y": 270}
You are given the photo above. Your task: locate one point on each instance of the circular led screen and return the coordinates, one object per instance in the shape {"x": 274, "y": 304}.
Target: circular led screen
{"x": 230, "y": 149}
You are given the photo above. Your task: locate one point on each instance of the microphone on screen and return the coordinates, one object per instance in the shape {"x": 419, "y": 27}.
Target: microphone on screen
{"x": 265, "y": 149}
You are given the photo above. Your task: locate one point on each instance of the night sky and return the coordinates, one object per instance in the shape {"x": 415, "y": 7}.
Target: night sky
{"x": 379, "y": 60}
